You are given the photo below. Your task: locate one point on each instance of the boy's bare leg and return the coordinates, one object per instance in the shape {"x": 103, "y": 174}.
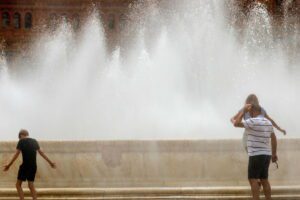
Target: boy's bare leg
{"x": 32, "y": 190}
{"x": 254, "y": 188}
{"x": 267, "y": 188}
{"x": 19, "y": 189}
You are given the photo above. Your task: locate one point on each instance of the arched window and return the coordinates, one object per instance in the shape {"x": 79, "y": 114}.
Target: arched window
{"x": 17, "y": 20}
{"x": 122, "y": 21}
{"x": 76, "y": 22}
{"x": 5, "y": 20}
{"x": 28, "y": 20}
{"x": 111, "y": 21}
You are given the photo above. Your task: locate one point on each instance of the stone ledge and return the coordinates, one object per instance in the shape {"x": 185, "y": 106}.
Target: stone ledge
{"x": 117, "y": 164}
{"x": 291, "y": 197}
{"x": 128, "y": 146}
{"x": 222, "y": 193}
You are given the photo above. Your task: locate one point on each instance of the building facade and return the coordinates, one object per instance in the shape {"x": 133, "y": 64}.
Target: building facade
{"x": 21, "y": 21}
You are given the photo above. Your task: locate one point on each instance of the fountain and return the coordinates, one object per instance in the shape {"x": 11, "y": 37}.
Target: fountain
{"x": 158, "y": 106}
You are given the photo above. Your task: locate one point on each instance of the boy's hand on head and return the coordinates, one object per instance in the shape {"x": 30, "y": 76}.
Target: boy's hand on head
{"x": 247, "y": 107}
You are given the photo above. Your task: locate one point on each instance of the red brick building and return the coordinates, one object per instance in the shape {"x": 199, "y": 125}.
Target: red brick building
{"x": 23, "y": 20}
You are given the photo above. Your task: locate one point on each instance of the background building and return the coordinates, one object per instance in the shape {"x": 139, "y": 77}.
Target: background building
{"x": 22, "y": 21}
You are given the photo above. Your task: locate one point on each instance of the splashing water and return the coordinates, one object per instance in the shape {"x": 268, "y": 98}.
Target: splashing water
{"x": 182, "y": 75}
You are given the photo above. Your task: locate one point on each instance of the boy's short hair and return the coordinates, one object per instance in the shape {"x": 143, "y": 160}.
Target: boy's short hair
{"x": 23, "y": 132}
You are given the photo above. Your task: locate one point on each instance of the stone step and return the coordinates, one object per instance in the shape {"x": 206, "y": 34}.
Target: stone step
{"x": 182, "y": 193}
{"x": 158, "y": 198}
{"x": 275, "y": 197}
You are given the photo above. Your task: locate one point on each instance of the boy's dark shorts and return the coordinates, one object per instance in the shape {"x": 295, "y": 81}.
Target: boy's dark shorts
{"x": 258, "y": 167}
{"x": 27, "y": 173}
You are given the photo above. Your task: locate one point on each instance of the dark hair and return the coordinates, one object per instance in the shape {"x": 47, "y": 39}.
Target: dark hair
{"x": 23, "y": 132}
{"x": 255, "y": 107}
{"x": 252, "y": 99}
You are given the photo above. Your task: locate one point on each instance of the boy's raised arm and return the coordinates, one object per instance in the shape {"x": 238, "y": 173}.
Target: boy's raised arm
{"x": 6, "y": 167}
{"x": 233, "y": 119}
{"x": 238, "y": 121}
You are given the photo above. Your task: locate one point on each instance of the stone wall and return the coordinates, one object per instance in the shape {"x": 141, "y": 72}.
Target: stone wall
{"x": 189, "y": 163}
